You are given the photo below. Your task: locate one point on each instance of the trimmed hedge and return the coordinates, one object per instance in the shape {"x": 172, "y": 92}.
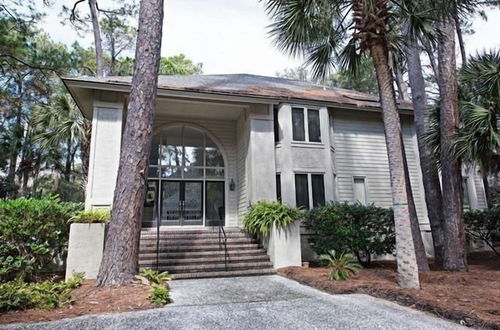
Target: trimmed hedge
{"x": 363, "y": 230}
{"x": 33, "y": 237}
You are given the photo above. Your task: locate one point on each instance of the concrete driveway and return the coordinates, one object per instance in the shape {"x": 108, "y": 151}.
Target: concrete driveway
{"x": 261, "y": 302}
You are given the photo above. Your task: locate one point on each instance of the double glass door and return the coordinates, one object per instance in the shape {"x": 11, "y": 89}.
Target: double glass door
{"x": 181, "y": 203}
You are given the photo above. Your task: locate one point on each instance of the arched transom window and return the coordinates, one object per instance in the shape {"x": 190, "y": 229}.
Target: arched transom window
{"x": 183, "y": 152}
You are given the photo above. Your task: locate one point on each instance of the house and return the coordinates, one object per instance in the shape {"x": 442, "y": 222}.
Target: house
{"x": 221, "y": 142}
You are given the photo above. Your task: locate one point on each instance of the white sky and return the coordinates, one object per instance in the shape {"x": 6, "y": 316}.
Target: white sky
{"x": 230, "y": 36}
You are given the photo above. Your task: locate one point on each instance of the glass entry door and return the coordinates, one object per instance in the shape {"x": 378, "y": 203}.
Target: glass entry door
{"x": 181, "y": 203}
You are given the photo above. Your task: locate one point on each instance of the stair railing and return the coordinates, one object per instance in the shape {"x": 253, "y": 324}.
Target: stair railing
{"x": 223, "y": 243}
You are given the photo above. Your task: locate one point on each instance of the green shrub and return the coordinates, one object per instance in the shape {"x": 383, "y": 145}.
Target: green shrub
{"x": 92, "y": 216}
{"x": 342, "y": 265}
{"x": 262, "y": 215}
{"x": 159, "y": 295}
{"x": 33, "y": 236}
{"x": 17, "y": 294}
{"x": 484, "y": 225}
{"x": 352, "y": 228}
{"x": 155, "y": 277}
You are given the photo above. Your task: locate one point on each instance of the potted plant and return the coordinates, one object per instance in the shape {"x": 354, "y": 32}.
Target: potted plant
{"x": 86, "y": 242}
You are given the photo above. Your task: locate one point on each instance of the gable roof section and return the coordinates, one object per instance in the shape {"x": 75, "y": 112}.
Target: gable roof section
{"x": 246, "y": 85}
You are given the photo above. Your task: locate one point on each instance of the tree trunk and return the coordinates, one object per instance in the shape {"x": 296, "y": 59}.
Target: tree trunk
{"x": 428, "y": 166}
{"x": 403, "y": 92}
{"x": 406, "y": 258}
{"x": 418, "y": 243}
{"x": 101, "y": 70}
{"x": 460, "y": 36}
{"x": 455, "y": 258}
{"x": 120, "y": 259}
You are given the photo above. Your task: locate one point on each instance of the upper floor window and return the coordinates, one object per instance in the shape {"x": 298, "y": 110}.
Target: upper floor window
{"x": 305, "y": 125}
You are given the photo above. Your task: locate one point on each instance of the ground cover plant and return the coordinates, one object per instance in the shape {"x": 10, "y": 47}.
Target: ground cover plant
{"x": 342, "y": 265}
{"x": 91, "y": 216}
{"x": 362, "y": 230}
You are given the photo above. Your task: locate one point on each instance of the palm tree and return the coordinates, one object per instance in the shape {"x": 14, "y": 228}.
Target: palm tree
{"x": 326, "y": 30}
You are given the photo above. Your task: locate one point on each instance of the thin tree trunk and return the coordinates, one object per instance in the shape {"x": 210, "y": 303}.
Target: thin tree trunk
{"x": 428, "y": 166}
{"x": 120, "y": 259}
{"x": 460, "y": 36}
{"x": 403, "y": 92}
{"x": 455, "y": 258}
{"x": 422, "y": 263}
{"x": 406, "y": 258}
{"x": 101, "y": 70}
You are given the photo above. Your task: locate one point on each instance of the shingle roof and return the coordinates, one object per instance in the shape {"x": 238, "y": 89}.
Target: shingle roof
{"x": 257, "y": 86}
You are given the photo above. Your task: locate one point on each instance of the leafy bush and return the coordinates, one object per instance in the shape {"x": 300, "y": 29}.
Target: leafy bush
{"x": 352, "y": 228}
{"x": 159, "y": 295}
{"x": 342, "y": 265}
{"x": 33, "y": 236}
{"x": 17, "y": 294}
{"x": 484, "y": 225}
{"x": 155, "y": 277}
{"x": 262, "y": 215}
{"x": 91, "y": 216}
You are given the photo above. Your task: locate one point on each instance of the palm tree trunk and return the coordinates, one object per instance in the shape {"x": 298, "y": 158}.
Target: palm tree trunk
{"x": 422, "y": 263}
{"x": 405, "y": 249}
{"x": 455, "y": 258}
{"x": 101, "y": 71}
{"x": 460, "y": 36}
{"x": 120, "y": 259}
{"x": 428, "y": 166}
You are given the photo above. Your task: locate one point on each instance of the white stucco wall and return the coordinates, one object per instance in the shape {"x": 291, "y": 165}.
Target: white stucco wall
{"x": 104, "y": 155}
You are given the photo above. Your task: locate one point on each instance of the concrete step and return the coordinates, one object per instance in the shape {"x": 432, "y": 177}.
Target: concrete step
{"x": 201, "y": 247}
{"x": 210, "y": 267}
{"x": 192, "y": 231}
{"x": 248, "y": 272}
{"x": 200, "y": 254}
{"x": 188, "y": 235}
{"x": 151, "y": 262}
{"x": 204, "y": 241}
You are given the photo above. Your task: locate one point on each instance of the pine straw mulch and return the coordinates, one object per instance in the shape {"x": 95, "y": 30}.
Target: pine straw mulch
{"x": 88, "y": 299}
{"x": 471, "y": 298}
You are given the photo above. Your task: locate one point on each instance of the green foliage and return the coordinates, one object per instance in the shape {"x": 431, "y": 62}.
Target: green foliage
{"x": 352, "y": 228}
{"x": 484, "y": 225}
{"x": 155, "y": 277}
{"x": 17, "y": 294}
{"x": 91, "y": 216}
{"x": 262, "y": 215}
{"x": 33, "y": 236}
{"x": 159, "y": 295}
{"x": 342, "y": 265}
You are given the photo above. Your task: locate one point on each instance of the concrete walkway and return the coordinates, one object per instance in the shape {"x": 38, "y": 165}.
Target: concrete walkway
{"x": 261, "y": 302}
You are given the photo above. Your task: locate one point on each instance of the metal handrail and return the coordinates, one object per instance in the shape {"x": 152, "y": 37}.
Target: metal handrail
{"x": 223, "y": 240}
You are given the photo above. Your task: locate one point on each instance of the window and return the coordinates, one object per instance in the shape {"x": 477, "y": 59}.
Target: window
{"x": 359, "y": 189}
{"x": 298, "y": 124}
{"x": 318, "y": 189}
{"x": 465, "y": 186}
{"x": 301, "y": 191}
{"x": 276, "y": 124}
{"x": 306, "y": 183}
{"x": 278, "y": 187}
{"x": 306, "y": 120}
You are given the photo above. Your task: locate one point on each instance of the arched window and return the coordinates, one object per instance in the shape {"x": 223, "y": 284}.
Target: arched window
{"x": 185, "y": 179}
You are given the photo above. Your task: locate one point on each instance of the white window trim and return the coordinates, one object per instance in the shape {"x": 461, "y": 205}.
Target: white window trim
{"x": 305, "y": 110}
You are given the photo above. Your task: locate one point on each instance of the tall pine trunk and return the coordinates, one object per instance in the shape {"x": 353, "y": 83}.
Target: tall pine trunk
{"x": 120, "y": 259}
{"x": 455, "y": 258}
{"x": 428, "y": 166}
{"x": 405, "y": 249}
{"x": 101, "y": 70}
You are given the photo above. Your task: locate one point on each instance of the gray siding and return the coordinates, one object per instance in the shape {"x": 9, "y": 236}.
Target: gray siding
{"x": 360, "y": 150}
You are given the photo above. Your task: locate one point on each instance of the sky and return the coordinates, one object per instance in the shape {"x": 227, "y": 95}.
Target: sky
{"x": 231, "y": 36}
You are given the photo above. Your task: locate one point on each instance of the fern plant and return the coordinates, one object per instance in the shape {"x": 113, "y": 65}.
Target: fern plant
{"x": 342, "y": 266}
{"x": 155, "y": 277}
{"x": 159, "y": 295}
{"x": 262, "y": 215}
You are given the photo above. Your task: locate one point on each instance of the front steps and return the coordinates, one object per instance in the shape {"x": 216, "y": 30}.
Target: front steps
{"x": 196, "y": 253}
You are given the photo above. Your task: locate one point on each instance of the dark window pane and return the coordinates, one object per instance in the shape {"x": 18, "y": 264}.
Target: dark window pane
{"x": 214, "y": 211}
{"x": 301, "y": 191}
{"x": 298, "y": 124}
{"x": 276, "y": 124}
{"x": 313, "y": 122}
{"x": 278, "y": 187}
{"x": 193, "y": 147}
{"x": 318, "y": 189}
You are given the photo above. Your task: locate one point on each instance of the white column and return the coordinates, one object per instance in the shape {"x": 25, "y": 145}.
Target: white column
{"x": 104, "y": 154}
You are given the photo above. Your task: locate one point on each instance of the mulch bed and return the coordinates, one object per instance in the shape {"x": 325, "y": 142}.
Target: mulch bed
{"x": 471, "y": 298}
{"x": 88, "y": 299}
